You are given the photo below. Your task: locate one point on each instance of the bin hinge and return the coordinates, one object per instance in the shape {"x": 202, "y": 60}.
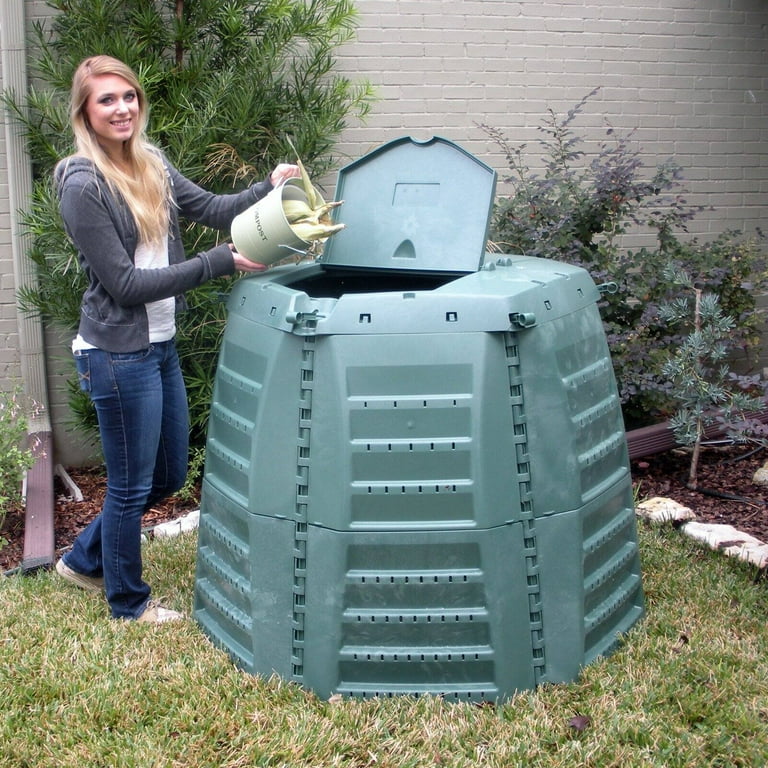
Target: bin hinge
{"x": 522, "y": 319}
{"x": 611, "y": 287}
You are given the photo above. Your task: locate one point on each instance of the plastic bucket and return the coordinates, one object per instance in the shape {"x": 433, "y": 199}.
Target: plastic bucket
{"x": 261, "y": 233}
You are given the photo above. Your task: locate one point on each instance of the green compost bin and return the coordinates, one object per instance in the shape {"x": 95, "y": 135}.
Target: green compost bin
{"x": 416, "y": 477}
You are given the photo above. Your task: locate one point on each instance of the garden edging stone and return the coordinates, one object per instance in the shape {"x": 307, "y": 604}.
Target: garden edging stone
{"x": 718, "y": 536}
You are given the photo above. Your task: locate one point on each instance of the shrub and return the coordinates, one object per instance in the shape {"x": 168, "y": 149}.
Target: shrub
{"x": 229, "y": 84}
{"x": 15, "y": 456}
{"x": 701, "y": 382}
{"x": 578, "y": 210}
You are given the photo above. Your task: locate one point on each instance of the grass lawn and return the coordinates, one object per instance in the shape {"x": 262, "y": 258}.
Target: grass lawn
{"x": 689, "y": 686}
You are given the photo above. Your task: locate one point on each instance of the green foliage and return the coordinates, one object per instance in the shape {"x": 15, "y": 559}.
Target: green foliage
{"x": 578, "y": 209}
{"x": 230, "y": 85}
{"x": 190, "y": 491}
{"x": 702, "y": 384}
{"x": 730, "y": 267}
{"x": 15, "y": 456}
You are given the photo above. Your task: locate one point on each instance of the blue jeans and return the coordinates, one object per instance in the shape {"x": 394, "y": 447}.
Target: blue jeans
{"x": 141, "y": 404}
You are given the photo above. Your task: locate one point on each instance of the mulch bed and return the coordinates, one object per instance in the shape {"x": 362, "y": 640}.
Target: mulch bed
{"x": 723, "y": 471}
{"x": 70, "y": 517}
{"x": 725, "y": 491}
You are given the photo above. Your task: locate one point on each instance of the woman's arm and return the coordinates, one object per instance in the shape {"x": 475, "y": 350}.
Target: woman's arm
{"x": 216, "y": 211}
{"x": 95, "y": 232}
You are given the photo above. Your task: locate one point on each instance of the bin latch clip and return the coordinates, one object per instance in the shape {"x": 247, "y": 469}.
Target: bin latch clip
{"x": 611, "y": 287}
{"x": 523, "y": 319}
{"x": 304, "y": 319}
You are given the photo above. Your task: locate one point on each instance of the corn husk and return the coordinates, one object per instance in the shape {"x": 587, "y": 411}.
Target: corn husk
{"x": 311, "y": 221}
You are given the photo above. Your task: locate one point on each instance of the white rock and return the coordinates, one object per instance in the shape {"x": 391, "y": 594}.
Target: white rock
{"x": 662, "y": 510}
{"x": 761, "y": 475}
{"x": 184, "y": 524}
{"x": 727, "y": 539}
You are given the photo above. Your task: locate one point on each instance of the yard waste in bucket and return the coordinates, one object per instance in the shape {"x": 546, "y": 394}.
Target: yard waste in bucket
{"x": 262, "y": 233}
{"x": 416, "y": 476}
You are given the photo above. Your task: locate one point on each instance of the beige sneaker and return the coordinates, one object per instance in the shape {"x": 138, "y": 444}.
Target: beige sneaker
{"x": 155, "y": 613}
{"x": 89, "y": 583}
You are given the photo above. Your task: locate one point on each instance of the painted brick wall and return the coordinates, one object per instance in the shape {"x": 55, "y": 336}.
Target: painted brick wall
{"x": 9, "y": 335}
{"x": 10, "y": 365}
{"x": 690, "y": 77}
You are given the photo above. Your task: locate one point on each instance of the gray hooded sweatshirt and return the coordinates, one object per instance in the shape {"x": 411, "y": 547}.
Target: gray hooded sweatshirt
{"x": 112, "y": 314}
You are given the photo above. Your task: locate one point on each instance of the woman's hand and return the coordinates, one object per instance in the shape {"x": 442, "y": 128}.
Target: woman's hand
{"x": 246, "y": 265}
{"x": 283, "y": 172}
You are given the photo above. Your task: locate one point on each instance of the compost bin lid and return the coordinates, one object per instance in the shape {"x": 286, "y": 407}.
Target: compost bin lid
{"x": 414, "y": 206}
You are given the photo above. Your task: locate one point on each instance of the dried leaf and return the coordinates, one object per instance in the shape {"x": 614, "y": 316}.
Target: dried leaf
{"x": 682, "y": 641}
{"x": 580, "y": 722}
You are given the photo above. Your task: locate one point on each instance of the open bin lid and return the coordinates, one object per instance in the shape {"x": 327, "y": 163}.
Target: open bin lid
{"x": 413, "y": 206}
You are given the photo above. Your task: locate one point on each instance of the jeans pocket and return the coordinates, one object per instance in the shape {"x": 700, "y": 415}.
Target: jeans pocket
{"x": 83, "y": 365}
{"x": 138, "y": 356}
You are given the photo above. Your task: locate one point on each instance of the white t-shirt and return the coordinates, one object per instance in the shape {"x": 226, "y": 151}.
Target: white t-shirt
{"x": 161, "y": 314}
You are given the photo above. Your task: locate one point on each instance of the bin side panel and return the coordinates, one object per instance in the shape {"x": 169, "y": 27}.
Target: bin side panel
{"x": 577, "y": 442}
{"x": 244, "y": 584}
{"x": 412, "y": 432}
{"x": 254, "y": 429}
{"x": 432, "y": 612}
{"x": 590, "y": 581}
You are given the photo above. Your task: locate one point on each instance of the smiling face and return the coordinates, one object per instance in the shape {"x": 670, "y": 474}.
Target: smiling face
{"x": 112, "y": 111}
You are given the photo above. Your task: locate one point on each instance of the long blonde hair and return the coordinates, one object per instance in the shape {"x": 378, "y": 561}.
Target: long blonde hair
{"x": 145, "y": 189}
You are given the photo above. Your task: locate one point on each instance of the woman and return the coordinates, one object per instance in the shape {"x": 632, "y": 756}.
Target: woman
{"x": 120, "y": 200}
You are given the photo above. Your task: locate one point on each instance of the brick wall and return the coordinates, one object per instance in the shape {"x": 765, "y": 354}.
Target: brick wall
{"x": 10, "y": 362}
{"x": 9, "y": 335}
{"x": 690, "y": 77}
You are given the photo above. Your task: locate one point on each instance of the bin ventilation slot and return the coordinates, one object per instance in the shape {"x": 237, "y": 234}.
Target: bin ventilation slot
{"x": 600, "y": 450}
{"x": 229, "y": 458}
{"x": 607, "y": 534}
{"x": 232, "y": 419}
{"x": 436, "y": 402}
{"x": 224, "y": 572}
{"x": 238, "y": 381}
{"x": 464, "y": 615}
{"x": 611, "y": 605}
{"x": 401, "y": 446}
{"x": 217, "y": 601}
{"x": 618, "y": 563}
{"x": 409, "y": 657}
{"x": 605, "y": 407}
{"x": 416, "y": 488}
{"x": 227, "y": 538}
{"x": 388, "y": 691}
{"x": 597, "y": 370}
{"x": 473, "y": 575}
